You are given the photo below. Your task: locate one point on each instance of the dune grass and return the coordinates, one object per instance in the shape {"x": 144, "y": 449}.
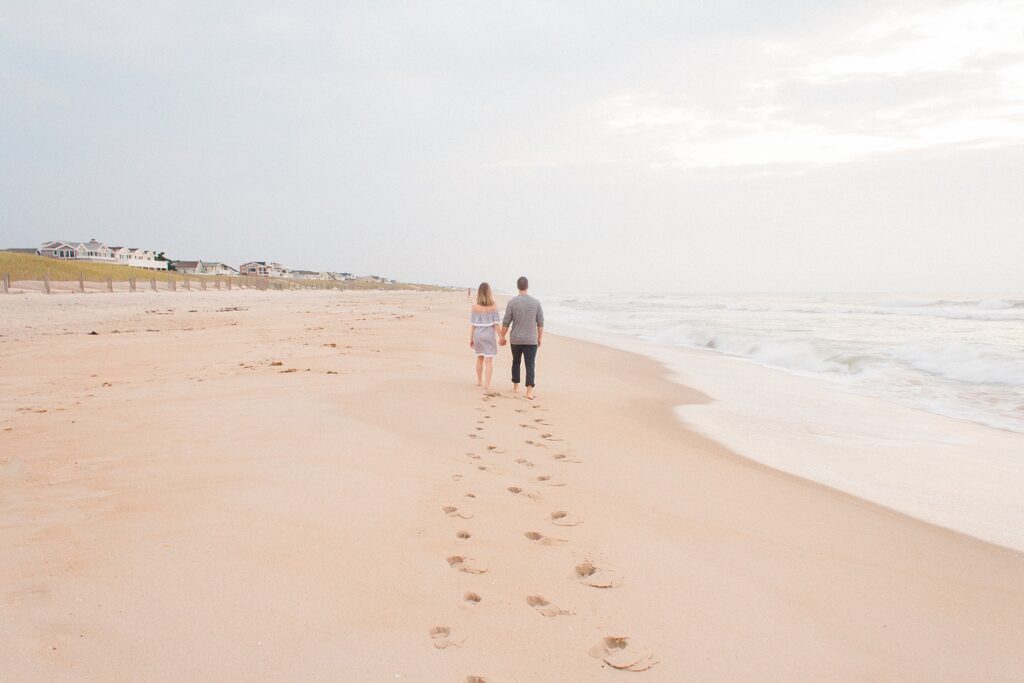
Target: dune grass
{"x": 32, "y": 267}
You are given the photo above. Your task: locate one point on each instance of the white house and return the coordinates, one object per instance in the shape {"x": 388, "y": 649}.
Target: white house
{"x": 140, "y": 258}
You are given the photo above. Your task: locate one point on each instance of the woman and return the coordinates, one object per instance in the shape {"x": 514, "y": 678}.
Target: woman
{"x": 483, "y": 334}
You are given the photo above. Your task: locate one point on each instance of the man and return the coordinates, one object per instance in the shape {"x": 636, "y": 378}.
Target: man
{"x": 525, "y": 316}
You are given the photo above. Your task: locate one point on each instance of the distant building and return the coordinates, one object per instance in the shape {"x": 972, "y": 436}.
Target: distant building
{"x": 185, "y": 267}
{"x": 263, "y": 269}
{"x": 311, "y": 275}
{"x": 204, "y": 268}
{"x": 216, "y": 268}
{"x": 140, "y": 258}
{"x": 98, "y": 252}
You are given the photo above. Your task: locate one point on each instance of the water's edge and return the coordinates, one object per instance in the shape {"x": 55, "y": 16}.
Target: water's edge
{"x": 956, "y": 474}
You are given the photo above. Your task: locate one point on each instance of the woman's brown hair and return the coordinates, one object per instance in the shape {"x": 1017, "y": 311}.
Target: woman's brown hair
{"x": 484, "y": 296}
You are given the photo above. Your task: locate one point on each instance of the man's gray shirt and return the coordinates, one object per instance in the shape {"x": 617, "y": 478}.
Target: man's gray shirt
{"x": 524, "y": 315}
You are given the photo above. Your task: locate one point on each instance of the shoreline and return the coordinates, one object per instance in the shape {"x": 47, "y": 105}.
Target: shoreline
{"x": 263, "y": 521}
{"x": 902, "y": 458}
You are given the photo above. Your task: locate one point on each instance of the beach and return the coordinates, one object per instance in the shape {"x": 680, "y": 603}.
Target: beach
{"x": 256, "y": 485}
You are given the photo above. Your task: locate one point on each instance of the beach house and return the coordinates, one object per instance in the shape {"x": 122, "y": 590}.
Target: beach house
{"x": 215, "y": 268}
{"x": 139, "y": 258}
{"x": 263, "y": 269}
{"x": 96, "y": 251}
{"x": 204, "y": 268}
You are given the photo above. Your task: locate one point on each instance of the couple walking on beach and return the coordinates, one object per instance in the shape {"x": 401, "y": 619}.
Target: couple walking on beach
{"x": 525, "y": 317}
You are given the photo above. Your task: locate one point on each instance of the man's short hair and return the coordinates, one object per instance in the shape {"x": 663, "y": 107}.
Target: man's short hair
{"x": 522, "y": 284}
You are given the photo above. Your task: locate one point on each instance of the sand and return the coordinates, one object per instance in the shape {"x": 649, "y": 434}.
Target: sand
{"x": 307, "y": 485}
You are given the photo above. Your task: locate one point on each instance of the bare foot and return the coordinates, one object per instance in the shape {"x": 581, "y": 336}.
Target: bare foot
{"x": 529, "y": 393}
{"x": 515, "y": 388}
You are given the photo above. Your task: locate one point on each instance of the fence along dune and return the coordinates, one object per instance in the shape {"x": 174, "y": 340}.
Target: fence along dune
{"x": 31, "y": 273}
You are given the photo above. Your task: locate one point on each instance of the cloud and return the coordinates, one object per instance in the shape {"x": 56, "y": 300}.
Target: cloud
{"x": 932, "y": 76}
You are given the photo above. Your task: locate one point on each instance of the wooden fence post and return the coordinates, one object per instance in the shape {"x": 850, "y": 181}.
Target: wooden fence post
{"x": 174, "y": 285}
{"x": 81, "y": 282}
{"x": 216, "y": 283}
{"x": 131, "y": 283}
{"x": 153, "y": 283}
{"x": 5, "y": 283}
{"x": 110, "y": 284}
{"x": 46, "y": 281}
{"x": 202, "y": 284}
{"x": 188, "y": 287}
{"x": 229, "y": 284}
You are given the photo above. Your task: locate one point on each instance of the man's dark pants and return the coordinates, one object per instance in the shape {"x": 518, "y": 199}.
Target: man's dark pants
{"x": 529, "y": 351}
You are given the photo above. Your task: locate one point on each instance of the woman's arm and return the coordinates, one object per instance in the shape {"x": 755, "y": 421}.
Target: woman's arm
{"x": 471, "y": 330}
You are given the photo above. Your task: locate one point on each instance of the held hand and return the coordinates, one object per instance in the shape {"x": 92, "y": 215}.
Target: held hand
{"x": 503, "y": 341}
{"x": 471, "y": 343}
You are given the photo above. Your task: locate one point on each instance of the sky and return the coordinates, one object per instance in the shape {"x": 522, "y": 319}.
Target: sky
{"x": 596, "y": 146}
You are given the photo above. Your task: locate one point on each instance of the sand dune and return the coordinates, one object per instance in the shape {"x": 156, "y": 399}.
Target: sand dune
{"x": 307, "y": 485}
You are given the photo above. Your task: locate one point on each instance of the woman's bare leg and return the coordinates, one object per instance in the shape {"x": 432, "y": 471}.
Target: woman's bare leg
{"x": 489, "y": 366}
{"x": 479, "y": 370}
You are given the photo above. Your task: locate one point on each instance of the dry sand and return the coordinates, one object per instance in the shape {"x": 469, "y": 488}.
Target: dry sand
{"x": 266, "y": 494}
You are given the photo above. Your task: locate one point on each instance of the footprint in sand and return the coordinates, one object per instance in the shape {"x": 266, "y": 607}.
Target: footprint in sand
{"x": 456, "y": 477}
{"x": 565, "y": 457}
{"x": 471, "y": 598}
{"x": 531, "y": 442}
{"x": 472, "y": 456}
{"x": 490, "y": 468}
{"x": 524, "y": 462}
{"x": 548, "y": 480}
{"x": 620, "y": 652}
{"x": 466, "y": 564}
{"x": 442, "y": 637}
{"x": 495, "y": 449}
{"x": 532, "y": 495}
{"x": 453, "y": 511}
{"x": 563, "y": 518}
{"x": 473, "y": 436}
{"x": 477, "y": 679}
{"x": 590, "y": 574}
{"x": 541, "y": 421}
{"x": 462, "y": 535}
{"x": 469, "y": 495}
{"x": 540, "y": 539}
{"x": 545, "y": 607}
{"x": 526, "y": 426}
{"x": 550, "y": 437}
{"x": 479, "y": 429}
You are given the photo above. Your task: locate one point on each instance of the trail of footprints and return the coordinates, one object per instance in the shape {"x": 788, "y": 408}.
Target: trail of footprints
{"x": 616, "y": 651}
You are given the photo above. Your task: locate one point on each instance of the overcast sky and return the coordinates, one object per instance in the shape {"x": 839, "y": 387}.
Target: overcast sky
{"x": 723, "y": 146}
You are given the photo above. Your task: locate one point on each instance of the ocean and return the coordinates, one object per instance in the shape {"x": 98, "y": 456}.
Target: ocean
{"x": 960, "y": 357}
{"x": 913, "y": 403}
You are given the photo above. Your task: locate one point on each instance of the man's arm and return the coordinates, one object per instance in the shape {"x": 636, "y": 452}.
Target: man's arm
{"x": 540, "y": 323}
